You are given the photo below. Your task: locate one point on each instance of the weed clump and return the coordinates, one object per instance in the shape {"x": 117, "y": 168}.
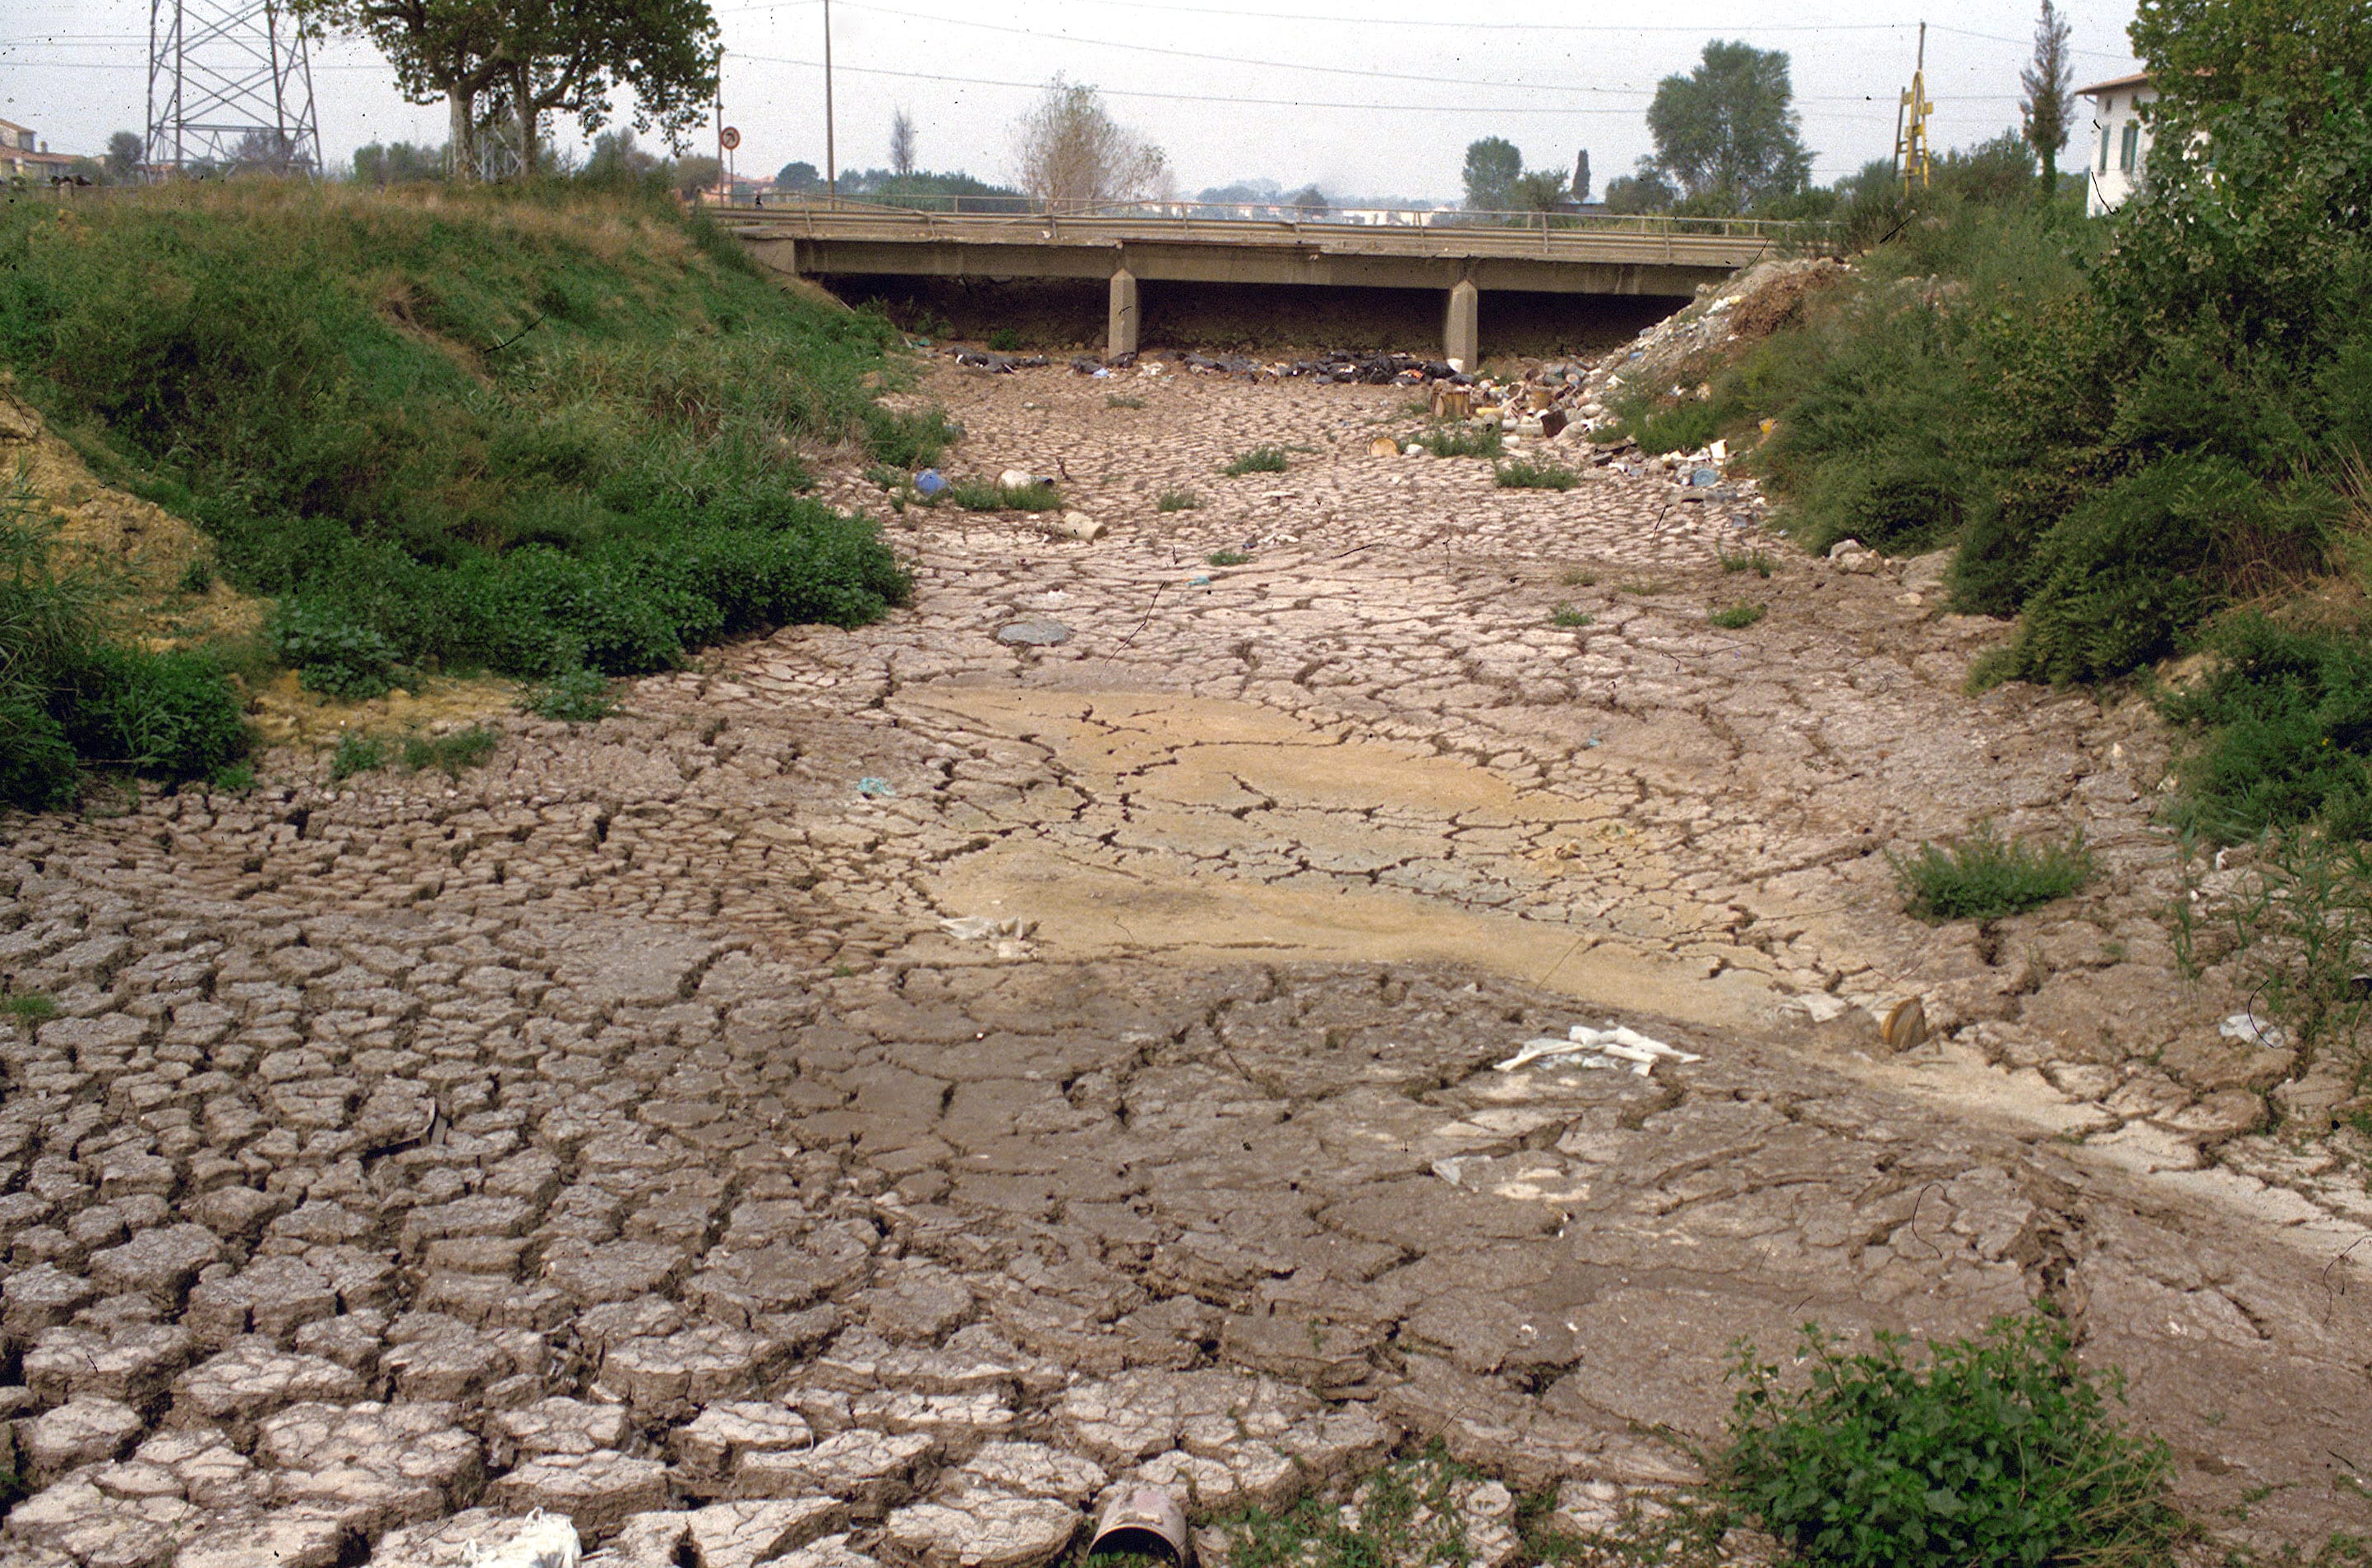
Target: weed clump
{"x": 1738, "y": 617}
{"x": 986, "y": 496}
{"x": 1757, "y": 561}
{"x": 1999, "y": 1450}
{"x": 1525, "y": 474}
{"x": 1462, "y": 440}
{"x": 28, "y": 1007}
{"x": 1259, "y": 460}
{"x": 1986, "y": 877}
{"x": 576, "y": 696}
{"x": 1227, "y": 558}
{"x": 1568, "y": 616}
{"x": 1178, "y": 500}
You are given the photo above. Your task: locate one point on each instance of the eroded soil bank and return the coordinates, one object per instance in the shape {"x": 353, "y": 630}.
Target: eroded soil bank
{"x": 617, "y": 1129}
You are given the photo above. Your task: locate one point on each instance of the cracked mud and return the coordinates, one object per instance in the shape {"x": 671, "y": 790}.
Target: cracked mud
{"x": 617, "y": 1129}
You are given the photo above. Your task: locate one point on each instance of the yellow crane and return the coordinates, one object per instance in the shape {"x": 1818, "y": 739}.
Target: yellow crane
{"x": 1911, "y": 124}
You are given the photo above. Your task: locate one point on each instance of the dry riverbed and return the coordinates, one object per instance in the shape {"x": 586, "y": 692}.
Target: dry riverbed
{"x": 885, "y": 1087}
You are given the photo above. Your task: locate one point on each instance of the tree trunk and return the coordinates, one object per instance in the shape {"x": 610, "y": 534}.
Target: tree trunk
{"x": 523, "y": 109}
{"x": 457, "y": 149}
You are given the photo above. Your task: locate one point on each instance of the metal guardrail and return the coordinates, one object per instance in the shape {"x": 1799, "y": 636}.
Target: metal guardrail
{"x": 1549, "y": 236}
{"x": 1441, "y": 233}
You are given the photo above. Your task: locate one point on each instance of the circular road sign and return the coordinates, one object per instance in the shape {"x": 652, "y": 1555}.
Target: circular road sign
{"x": 728, "y": 138}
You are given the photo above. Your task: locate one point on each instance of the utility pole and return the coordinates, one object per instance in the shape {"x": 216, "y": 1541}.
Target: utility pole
{"x": 229, "y": 81}
{"x": 831, "y": 154}
{"x": 1911, "y": 124}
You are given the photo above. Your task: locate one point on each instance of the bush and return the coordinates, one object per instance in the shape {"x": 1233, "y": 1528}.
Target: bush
{"x": 1985, "y": 877}
{"x": 1569, "y": 617}
{"x": 1524, "y": 474}
{"x": 450, "y": 753}
{"x": 39, "y": 769}
{"x": 576, "y": 696}
{"x": 1461, "y": 440}
{"x": 1227, "y": 558}
{"x": 2001, "y": 1450}
{"x": 1259, "y": 460}
{"x": 2284, "y": 728}
{"x": 1737, "y": 616}
{"x": 168, "y": 716}
{"x": 357, "y": 753}
{"x": 332, "y": 655}
{"x": 1178, "y": 500}
{"x": 1685, "y": 427}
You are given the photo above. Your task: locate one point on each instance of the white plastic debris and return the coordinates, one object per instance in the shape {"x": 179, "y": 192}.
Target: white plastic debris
{"x": 973, "y": 927}
{"x": 2255, "y": 1031}
{"x": 1613, "y": 1046}
{"x": 546, "y": 1540}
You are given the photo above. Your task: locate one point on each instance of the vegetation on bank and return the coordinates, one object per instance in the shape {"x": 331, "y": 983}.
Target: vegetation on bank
{"x": 531, "y": 432}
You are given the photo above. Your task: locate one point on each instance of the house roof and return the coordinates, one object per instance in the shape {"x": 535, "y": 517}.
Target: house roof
{"x": 12, "y": 125}
{"x": 2115, "y": 84}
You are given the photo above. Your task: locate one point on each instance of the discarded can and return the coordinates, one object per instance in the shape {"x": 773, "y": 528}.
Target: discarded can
{"x": 1145, "y": 1521}
{"x": 1383, "y": 446}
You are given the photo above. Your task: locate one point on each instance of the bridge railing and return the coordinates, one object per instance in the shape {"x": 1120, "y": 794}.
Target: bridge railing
{"x": 1196, "y": 219}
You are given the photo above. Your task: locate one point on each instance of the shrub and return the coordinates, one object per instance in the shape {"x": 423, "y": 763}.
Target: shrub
{"x": 576, "y": 696}
{"x": 1227, "y": 558}
{"x": 168, "y": 716}
{"x": 1737, "y": 616}
{"x": 331, "y": 654}
{"x": 1179, "y": 501}
{"x": 452, "y": 751}
{"x": 1682, "y": 428}
{"x": 357, "y": 753}
{"x": 1259, "y": 460}
{"x": 1568, "y": 616}
{"x": 1984, "y": 876}
{"x": 38, "y": 769}
{"x": 1524, "y": 474}
{"x": 1004, "y": 340}
{"x": 2284, "y": 723}
{"x": 1757, "y": 561}
{"x": 2000, "y": 1450}
{"x": 981, "y": 495}
{"x": 1462, "y": 440}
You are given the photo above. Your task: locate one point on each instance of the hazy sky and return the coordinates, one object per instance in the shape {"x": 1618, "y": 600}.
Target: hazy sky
{"x": 1376, "y": 96}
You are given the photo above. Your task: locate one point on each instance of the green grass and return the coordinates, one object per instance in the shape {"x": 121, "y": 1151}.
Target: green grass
{"x": 1757, "y": 561}
{"x": 987, "y": 496}
{"x": 576, "y": 696}
{"x": 28, "y": 1007}
{"x": 1567, "y": 615}
{"x": 1405, "y": 1515}
{"x": 1004, "y": 340}
{"x": 1985, "y": 877}
{"x": 1998, "y": 1449}
{"x": 1577, "y": 577}
{"x": 70, "y": 701}
{"x": 1227, "y": 558}
{"x": 456, "y": 429}
{"x": 236, "y": 779}
{"x": 1117, "y": 400}
{"x": 1178, "y": 500}
{"x": 1683, "y": 428}
{"x": 1525, "y": 474}
{"x": 357, "y": 753}
{"x": 1737, "y": 616}
{"x": 1259, "y": 460}
{"x": 450, "y": 753}
{"x": 1480, "y": 439}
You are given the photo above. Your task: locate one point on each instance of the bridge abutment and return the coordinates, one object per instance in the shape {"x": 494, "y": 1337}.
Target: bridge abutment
{"x": 1462, "y": 327}
{"x": 1120, "y": 326}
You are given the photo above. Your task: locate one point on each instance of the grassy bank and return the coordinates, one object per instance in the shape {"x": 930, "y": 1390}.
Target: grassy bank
{"x": 461, "y": 430}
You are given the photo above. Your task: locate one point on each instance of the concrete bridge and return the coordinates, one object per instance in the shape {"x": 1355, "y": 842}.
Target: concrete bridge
{"x": 1591, "y": 255}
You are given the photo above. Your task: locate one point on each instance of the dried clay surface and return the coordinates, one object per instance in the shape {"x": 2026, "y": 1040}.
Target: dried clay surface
{"x": 885, "y": 1090}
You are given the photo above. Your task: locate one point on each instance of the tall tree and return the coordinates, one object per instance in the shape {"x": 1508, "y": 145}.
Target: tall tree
{"x": 1643, "y": 191}
{"x": 1541, "y": 191}
{"x": 125, "y": 154}
{"x": 1581, "y": 176}
{"x": 536, "y": 56}
{"x": 902, "y": 144}
{"x": 1728, "y": 132}
{"x": 2301, "y": 58}
{"x": 1492, "y": 166}
{"x": 1073, "y": 154}
{"x": 2048, "y": 109}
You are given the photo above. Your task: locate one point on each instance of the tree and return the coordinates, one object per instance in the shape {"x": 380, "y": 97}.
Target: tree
{"x": 1541, "y": 191}
{"x": 1728, "y": 132}
{"x": 1073, "y": 155}
{"x": 902, "y": 144}
{"x": 798, "y": 176}
{"x": 1581, "y": 176}
{"x": 260, "y": 151}
{"x": 1309, "y": 202}
{"x": 126, "y": 155}
{"x": 1643, "y": 190}
{"x": 2305, "y": 58}
{"x": 399, "y": 164}
{"x": 1492, "y": 166}
{"x": 536, "y": 57}
{"x": 688, "y": 177}
{"x": 2048, "y": 109}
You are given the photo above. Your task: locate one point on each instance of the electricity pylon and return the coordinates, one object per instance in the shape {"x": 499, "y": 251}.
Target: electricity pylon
{"x": 230, "y": 86}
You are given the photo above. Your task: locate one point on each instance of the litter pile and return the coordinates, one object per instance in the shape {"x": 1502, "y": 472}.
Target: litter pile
{"x": 1613, "y": 1046}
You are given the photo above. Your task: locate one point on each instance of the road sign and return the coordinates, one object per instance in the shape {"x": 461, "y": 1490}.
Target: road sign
{"x": 728, "y": 138}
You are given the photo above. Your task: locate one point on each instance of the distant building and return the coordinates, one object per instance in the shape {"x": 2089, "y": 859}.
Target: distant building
{"x": 2121, "y": 146}
{"x": 25, "y": 155}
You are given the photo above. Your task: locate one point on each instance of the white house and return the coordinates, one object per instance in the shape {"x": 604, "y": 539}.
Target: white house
{"x": 2120, "y": 144}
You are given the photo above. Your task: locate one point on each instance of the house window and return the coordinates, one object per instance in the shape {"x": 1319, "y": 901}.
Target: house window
{"x": 2106, "y": 134}
{"x": 2129, "y": 149}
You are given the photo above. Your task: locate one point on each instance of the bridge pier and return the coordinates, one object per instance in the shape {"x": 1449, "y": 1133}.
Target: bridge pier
{"x": 1120, "y": 328}
{"x": 1462, "y": 327}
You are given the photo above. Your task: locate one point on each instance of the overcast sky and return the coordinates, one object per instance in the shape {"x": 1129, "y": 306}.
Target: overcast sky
{"x": 1364, "y": 97}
